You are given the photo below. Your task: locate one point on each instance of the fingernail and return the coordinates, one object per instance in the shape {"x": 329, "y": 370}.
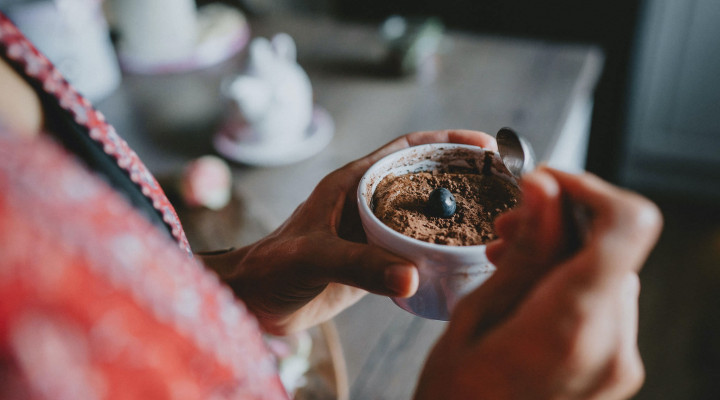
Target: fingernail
{"x": 401, "y": 279}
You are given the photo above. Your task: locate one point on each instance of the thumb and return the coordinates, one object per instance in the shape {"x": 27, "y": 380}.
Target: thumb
{"x": 532, "y": 234}
{"x": 366, "y": 267}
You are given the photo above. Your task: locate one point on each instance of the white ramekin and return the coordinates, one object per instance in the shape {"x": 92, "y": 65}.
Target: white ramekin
{"x": 446, "y": 272}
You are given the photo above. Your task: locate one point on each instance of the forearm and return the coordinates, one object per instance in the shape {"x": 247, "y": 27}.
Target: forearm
{"x": 259, "y": 276}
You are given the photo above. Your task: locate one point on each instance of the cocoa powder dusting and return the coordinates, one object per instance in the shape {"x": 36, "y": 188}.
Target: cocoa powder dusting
{"x": 400, "y": 203}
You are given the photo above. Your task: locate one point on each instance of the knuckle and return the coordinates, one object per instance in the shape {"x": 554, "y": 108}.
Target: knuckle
{"x": 647, "y": 217}
{"x": 642, "y": 220}
{"x": 638, "y": 212}
{"x": 634, "y": 216}
{"x": 627, "y": 373}
{"x": 299, "y": 246}
{"x": 333, "y": 177}
{"x": 359, "y": 164}
{"x": 358, "y": 255}
{"x": 342, "y": 174}
{"x": 570, "y": 346}
{"x": 590, "y": 177}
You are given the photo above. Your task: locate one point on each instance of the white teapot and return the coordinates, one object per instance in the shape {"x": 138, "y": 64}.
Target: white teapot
{"x": 273, "y": 96}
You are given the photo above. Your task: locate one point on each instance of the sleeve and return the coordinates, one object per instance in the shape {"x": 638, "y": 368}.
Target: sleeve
{"x": 82, "y": 130}
{"x": 95, "y": 302}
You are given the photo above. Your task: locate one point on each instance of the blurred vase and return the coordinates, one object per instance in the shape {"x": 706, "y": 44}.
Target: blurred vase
{"x": 74, "y": 35}
{"x": 154, "y": 32}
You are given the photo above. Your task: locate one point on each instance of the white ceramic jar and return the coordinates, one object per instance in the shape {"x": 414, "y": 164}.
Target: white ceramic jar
{"x": 446, "y": 272}
{"x": 74, "y": 35}
{"x": 154, "y": 32}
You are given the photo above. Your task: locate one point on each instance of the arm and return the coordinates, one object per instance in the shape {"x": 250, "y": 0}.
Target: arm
{"x": 549, "y": 326}
{"x": 317, "y": 263}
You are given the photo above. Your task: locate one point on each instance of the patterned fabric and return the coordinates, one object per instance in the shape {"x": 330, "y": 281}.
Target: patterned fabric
{"x": 95, "y": 301}
{"x": 37, "y": 67}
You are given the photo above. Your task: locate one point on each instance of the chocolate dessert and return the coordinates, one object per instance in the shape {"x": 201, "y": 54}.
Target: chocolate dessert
{"x": 456, "y": 209}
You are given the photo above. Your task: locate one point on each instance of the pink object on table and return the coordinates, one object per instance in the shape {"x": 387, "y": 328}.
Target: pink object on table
{"x": 206, "y": 182}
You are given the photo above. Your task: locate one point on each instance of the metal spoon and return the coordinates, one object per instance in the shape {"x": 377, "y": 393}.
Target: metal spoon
{"x": 515, "y": 152}
{"x": 519, "y": 158}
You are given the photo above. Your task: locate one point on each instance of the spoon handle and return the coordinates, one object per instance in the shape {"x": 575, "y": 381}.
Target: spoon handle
{"x": 518, "y": 156}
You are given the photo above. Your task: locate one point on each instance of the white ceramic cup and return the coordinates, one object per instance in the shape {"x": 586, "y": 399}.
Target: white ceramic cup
{"x": 447, "y": 273}
{"x": 155, "y": 32}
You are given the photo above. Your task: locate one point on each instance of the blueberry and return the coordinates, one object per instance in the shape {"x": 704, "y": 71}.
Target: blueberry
{"x": 441, "y": 203}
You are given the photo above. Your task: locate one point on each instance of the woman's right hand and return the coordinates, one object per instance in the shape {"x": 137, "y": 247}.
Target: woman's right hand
{"x": 318, "y": 262}
{"x": 548, "y": 325}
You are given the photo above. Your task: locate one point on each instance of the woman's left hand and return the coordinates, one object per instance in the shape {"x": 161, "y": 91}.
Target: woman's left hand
{"x": 318, "y": 263}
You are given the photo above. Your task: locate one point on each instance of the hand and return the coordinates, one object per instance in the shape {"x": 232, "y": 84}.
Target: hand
{"x": 548, "y": 325}
{"x": 318, "y": 263}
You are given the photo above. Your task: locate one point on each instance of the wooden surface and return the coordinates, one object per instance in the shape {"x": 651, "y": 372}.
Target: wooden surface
{"x": 481, "y": 83}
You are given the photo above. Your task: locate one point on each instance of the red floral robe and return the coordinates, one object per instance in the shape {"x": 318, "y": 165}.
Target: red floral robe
{"x": 95, "y": 301}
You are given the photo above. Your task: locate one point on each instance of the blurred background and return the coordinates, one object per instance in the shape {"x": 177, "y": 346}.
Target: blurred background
{"x": 655, "y": 126}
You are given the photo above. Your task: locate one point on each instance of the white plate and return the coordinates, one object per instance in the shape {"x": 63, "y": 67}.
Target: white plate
{"x": 272, "y": 154}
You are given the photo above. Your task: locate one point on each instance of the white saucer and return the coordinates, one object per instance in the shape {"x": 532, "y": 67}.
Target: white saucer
{"x": 263, "y": 154}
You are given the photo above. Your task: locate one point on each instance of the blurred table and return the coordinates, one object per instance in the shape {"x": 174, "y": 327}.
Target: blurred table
{"x": 542, "y": 89}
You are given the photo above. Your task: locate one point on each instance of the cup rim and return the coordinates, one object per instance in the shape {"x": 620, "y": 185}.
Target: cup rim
{"x": 364, "y": 207}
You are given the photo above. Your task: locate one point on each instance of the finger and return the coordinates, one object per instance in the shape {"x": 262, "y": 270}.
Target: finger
{"x": 507, "y": 225}
{"x": 339, "y": 187}
{"x": 623, "y": 229}
{"x": 620, "y": 219}
{"x": 533, "y": 231}
{"x": 628, "y": 310}
{"x": 460, "y": 136}
{"x": 628, "y": 372}
{"x": 522, "y": 258}
{"x": 363, "y": 266}
{"x": 628, "y": 368}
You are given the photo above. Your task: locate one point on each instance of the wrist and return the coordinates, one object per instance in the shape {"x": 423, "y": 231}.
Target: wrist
{"x": 225, "y": 263}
